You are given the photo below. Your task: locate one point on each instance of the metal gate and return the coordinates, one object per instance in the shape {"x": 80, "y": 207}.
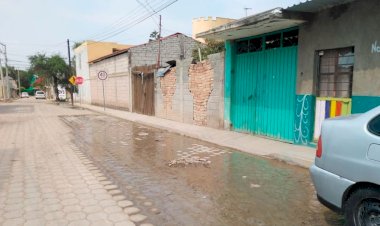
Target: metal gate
{"x": 263, "y": 92}
{"x": 143, "y": 90}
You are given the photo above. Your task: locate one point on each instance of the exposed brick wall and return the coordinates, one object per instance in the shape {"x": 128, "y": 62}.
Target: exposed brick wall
{"x": 200, "y": 86}
{"x": 182, "y": 102}
{"x": 168, "y": 87}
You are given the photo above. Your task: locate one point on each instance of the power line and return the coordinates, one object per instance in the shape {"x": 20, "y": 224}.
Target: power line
{"x": 34, "y": 44}
{"x": 139, "y": 20}
{"x": 134, "y": 13}
{"x": 147, "y": 9}
{"x": 18, "y": 61}
{"x": 134, "y": 22}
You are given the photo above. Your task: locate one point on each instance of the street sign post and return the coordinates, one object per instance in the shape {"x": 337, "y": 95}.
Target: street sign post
{"x": 102, "y": 75}
{"x": 72, "y": 80}
{"x": 79, "y": 80}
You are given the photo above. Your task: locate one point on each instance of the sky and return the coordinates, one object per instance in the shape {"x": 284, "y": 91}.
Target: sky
{"x": 43, "y": 26}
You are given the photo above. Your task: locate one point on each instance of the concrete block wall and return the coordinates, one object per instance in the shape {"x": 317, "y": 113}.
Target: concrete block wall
{"x": 215, "y": 104}
{"x": 187, "y": 106}
{"x": 177, "y": 46}
{"x": 116, "y": 87}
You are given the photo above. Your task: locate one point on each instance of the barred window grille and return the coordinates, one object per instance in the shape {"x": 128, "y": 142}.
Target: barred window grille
{"x": 335, "y": 73}
{"x": 271, "y": 41}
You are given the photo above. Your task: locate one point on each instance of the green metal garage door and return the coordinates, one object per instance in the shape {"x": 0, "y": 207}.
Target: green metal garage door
{"x": 264, "y": 86}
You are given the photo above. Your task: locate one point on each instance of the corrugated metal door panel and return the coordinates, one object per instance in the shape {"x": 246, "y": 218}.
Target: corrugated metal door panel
{"x": 243, "y": 94}
{"x": 264, "y": 93}
{"x": 261, "y": 105}
{"x": 282, "y": 87}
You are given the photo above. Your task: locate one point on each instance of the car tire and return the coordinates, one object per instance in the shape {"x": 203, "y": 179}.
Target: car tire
{"x": 363, "y": 208}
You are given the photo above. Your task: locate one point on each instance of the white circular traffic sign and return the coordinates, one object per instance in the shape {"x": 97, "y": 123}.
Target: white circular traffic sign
{"x": 102, "y": 75}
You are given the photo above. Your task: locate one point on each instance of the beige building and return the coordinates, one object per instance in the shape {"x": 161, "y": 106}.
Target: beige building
{"x": 203, "y": 24}
{"x": 87, "y": 52}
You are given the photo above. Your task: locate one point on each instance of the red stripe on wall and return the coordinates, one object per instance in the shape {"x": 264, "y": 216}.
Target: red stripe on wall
{"x": 338, "y": 108}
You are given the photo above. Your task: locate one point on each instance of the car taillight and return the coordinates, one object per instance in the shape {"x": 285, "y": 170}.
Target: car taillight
{"x": 319, "y": 148}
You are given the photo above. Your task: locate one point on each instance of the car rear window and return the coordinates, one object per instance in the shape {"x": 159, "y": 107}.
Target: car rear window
{"x": 374, "y": 125}
{"x": 40, "y": 92}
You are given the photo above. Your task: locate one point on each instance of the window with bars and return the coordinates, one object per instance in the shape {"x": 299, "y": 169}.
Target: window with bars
{"x": 271, "y": 41}
{"x": 335, "y": 72}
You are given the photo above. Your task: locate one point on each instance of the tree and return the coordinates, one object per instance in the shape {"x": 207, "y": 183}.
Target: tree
{"x": 154, "y": 35}
{"x": 53, "y": 68}
{"x": 77, "y": 44}
{"x": 211, "y": 47}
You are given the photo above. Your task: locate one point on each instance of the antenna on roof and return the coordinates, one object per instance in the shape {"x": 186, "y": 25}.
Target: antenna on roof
{"x": 246, "y": 11}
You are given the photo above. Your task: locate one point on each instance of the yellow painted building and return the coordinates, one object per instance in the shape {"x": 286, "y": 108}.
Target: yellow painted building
{"x": 206, "y": 23}
{"x": 96, "y": 50}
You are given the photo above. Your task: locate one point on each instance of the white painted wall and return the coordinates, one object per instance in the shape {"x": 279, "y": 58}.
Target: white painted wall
{"x": 83, "y": 69}
{"x": 117, "y": 86}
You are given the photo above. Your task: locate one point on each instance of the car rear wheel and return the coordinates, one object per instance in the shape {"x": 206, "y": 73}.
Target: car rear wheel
{"x": 363, "y": 208}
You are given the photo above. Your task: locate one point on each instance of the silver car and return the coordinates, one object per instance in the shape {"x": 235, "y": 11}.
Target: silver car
{"x": 346, "y": 172}
{"x": 40, "y": 95}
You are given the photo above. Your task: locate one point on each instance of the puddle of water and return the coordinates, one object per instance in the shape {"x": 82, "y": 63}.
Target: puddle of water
{"x": 236, "y": 189}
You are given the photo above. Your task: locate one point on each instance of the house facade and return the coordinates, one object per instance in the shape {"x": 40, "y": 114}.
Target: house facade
{"x": 287, "y": 70}
{"x": 131, "y": 81}
{"x": 85, "y": 53}
{"x": 186, "y": 92}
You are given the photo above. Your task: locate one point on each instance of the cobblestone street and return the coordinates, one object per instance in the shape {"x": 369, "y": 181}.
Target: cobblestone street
{"x": 69, "y": 166}
{"x": 44, "y": 180}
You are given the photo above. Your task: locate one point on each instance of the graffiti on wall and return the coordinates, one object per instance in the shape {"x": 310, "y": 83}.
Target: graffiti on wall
{"x": 303, "y": 128}
{"x": 168, "y": 87}
{"x": 375, "y": 48}
{"x": 200, "y": 87}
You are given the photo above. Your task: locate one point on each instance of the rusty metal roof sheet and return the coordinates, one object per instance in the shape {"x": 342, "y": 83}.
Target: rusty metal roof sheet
{"x": 265, "y": 22}
{"x": 312, "y": 6}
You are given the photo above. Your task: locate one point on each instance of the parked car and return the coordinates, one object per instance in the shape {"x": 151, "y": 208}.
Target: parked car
{"x": 40, "y": 95}
{"x": 62, "y": 95}
{"x": 24, "y": 95}
{"x": 346, "y": 172}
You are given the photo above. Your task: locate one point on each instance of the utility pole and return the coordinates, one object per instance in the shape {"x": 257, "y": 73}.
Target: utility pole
{"x": 6, "y": 72}
{"x": 246, "y": 11}
{"x": 72, "y": 86}
{"x": 19, "y": 83}
{"x": 5, "y": 92}
{"x": 159, "y": 45}
{"x": 2, "y": 80}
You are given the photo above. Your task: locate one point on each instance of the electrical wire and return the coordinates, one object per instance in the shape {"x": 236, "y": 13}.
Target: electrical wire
{"x": 129, "y": 16}
{"x": 137, "y": 20}
{"x": 147, "y": 9}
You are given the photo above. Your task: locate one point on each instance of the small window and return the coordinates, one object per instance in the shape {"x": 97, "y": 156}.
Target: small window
{"x": 255, "y": 44}
{"x": 374, "y": 126}
{"x": 335, "y": 74}
{"x": 242, "y": 47}
{"x": 290, "y": 38}
{"x": 273, "y": 41}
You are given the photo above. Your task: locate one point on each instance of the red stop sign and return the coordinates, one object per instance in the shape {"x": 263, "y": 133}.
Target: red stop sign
{"x": 79, "y": 80}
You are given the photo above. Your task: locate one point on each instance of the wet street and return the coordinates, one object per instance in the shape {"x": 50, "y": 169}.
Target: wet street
{"x": 177, "y": 180}
{"x": 69, "y": 166}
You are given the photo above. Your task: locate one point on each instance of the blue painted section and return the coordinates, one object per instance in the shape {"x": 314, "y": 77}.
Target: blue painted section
{"x": 361, "y": 104}
{"x": 304, "y": 119}
{"x": 230, "y": 49}
{"x": 327, "y": 109}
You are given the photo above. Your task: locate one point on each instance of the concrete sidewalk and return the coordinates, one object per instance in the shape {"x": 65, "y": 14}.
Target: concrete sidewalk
{"x": 292, "y": 154}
